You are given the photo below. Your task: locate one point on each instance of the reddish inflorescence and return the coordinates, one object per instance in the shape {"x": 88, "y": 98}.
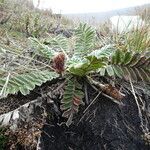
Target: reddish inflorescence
{"x": 59, "y": 63}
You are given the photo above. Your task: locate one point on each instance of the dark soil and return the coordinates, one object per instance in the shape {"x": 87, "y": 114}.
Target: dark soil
{"x": 105, "y": 126}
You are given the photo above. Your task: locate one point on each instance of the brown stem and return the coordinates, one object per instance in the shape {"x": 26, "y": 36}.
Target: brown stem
{"x": 107, "y": 89}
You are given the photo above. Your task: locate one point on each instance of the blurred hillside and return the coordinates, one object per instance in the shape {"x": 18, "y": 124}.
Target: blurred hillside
{"x": 101, "y": 17}
{"x": 20, "y": 16}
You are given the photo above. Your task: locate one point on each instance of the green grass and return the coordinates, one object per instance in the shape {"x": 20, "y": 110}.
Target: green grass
{"x": 137, "y": 39}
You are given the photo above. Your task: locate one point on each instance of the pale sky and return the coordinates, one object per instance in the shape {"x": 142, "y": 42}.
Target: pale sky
{"x": 85, "y": 6}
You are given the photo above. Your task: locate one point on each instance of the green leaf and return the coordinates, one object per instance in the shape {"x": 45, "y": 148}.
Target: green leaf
{"x": 135, "y": 58}
{"x": 129, "y": 65}
{"x": 44, "y": 50}
{"x": 110, "y": 70}
{"x": 102, "y": 71}
{"x": 127, "y": 58}
{"x": 26, "y": 82}
{"x": 94, "y": 61}
{"x": 85, "y": 67}
{"x": 118, "y": 71}
{"x": 85, "y": 37}
{"x": 117, "y": 57}
{"x": 104, "y": 52}
{"x": 24, "y": 90}
{"x": 72, "y": 99}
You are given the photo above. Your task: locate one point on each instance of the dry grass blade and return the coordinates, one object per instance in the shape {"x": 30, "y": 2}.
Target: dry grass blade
{"x": 138, "y": 106}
